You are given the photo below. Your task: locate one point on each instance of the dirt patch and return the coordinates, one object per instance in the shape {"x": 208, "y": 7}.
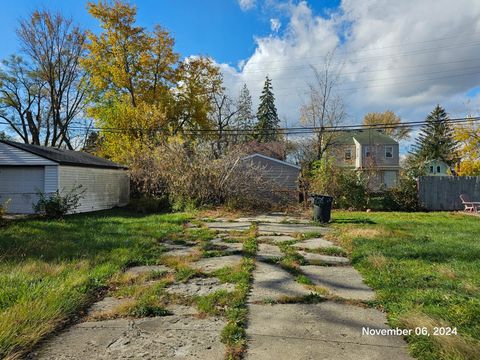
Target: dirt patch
{"x": 367, "y": 233}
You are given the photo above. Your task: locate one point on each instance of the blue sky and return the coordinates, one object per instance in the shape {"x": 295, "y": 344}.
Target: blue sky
{"x": 218, "y": 28}
{"x": 405, "y": 56}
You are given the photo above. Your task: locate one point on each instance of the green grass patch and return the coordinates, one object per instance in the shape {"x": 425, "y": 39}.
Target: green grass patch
{"x": 51, "y": 270}
{"x": 184, "y": 273}
{"x": 215, "y": 303}
{"x": 309, "y": 235}
{"x": 425, "y": 268}
{"x": 305, "y": 280}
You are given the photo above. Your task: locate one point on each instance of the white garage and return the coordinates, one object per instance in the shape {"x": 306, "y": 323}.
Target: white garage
{"x": 26, "y": 170}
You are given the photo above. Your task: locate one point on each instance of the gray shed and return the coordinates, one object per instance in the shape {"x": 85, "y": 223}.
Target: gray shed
{"x": 28, "y": 169}
{"x": 283, "y": 174}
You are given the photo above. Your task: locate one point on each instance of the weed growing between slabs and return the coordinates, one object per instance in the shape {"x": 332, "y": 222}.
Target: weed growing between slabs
{"x": 234, "y": 305}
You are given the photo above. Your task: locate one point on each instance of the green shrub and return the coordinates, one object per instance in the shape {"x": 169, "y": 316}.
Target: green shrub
{"x": 58, "y": 204}
{"x": 348, "y": 188}
{"x": 403, "y": 197}
{"x": 150, "y": 205}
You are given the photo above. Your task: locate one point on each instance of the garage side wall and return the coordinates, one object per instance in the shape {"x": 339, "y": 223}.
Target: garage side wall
{"x": 104, "y": 188}
{"x": 286, "y": 177}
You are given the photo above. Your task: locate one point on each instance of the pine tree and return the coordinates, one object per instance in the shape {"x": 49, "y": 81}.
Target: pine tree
{"x": 436, "y": 139}
{"x": 245, "y": 119}
{"x": 268, "y": 121}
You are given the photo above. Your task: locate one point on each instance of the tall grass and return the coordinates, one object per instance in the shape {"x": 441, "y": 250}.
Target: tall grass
{"x": 425, "y": 268}
{"x": 51, "y": 270}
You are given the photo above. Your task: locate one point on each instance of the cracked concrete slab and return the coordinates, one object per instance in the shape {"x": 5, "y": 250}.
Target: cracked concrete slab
{"x": 325, "y": 331}
{"x": 106, "y": 305}
{"x": 179, "y": 250}
{"x": 315, "y": 243}
{"x": 275, "y": 238}
{"x": 227, "y": 246}
{"x": 287, "y": 229}
{"x": 279, "y": 218}
{"x": 324, "y": 259}
{"x": 228, "y": 226}
{"x": 343, "y": 281}
{"x": 199, "y": 286}
{"x": 146, "y": 269}
{"x": 182, "y": 310}
{"x": 215, "y": 263}
{"x": 270, "y": 282}
{"x": 166, "y": 337}
{"x": 268, "y": 251}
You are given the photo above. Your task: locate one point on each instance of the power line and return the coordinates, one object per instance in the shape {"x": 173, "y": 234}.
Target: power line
{"x": 380, "y": 85}
{"x": 285, "y": 131}
{"x": 362, "y": 60}
{"x": 373, "y": 49}
{"x": 345, "y": 74}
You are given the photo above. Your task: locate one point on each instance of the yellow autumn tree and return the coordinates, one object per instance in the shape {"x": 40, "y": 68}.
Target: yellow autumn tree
{"x": 389, "y": 122}
{"x": 141, "y": 92}
{"x": 468, "y": 137}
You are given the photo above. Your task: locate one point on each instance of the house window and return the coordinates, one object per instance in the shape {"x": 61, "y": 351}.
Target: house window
{"x": 348, "y": 154}
{"x": 389, "y": 151}
{"x": 431, "y": 169}
{"x": 368, "y": 152}
{"x": 438, "y": 170}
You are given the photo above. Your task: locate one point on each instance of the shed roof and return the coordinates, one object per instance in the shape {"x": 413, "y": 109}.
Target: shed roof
{"x": 365, "y": 137}
{"x": 271, "y": 159}
{"x": 65, "y": 157}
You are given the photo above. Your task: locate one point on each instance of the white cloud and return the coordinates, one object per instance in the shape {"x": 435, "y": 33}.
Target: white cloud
{"x": 275, "y": 25}
{"x": 405, "y": 56}
{"x": 246, "y": 4}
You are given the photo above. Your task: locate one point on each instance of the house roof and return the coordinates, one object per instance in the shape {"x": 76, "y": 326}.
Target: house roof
{"x": 271, "y": 159}
{"x": 365, "y": 137}
{"x": 65, "y": 157}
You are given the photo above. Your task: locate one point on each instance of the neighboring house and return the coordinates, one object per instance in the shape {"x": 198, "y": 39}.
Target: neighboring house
{"x": 370, "y": 151}
{"x": 281, "y": 173}
{"x": 28, "y": 169}
{"x": 437, "y": 168}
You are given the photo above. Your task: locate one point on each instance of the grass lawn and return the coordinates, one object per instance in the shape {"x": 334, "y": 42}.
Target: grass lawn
{"x": 51, "y": 270}
{"x": 425, "y": 269}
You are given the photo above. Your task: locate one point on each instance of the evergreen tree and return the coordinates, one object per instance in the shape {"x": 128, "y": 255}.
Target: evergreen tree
{"x": 268, "y": 121}
{"x": 436, "y": 139}
{"x": 245, "y": 118}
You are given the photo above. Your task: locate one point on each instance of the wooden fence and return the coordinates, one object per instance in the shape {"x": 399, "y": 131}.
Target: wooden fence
{"x": 443, "y": 192}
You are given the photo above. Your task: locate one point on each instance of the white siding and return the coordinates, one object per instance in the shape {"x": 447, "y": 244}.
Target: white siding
{"x": 51, "y": 179}
{"x": 10, "y": 155}
{"x": 104, "y": 188}
{"x": 20, "y": 185}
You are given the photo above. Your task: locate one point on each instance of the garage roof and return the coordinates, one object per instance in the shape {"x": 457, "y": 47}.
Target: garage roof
{"x": 65, "y": 157}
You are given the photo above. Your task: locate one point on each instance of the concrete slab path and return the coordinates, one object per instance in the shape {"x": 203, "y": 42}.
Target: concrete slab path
{"x": 281, "y": 325}
{"x": 326, "y": 330}
{"x": 272, "y": 283}
{"x": 179, "y": 337}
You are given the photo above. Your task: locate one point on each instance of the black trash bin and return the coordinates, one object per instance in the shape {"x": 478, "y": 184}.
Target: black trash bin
{"x": 322, "y": 207}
